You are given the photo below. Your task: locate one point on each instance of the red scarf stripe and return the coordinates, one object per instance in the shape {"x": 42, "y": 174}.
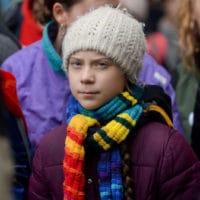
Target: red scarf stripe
{"x": 71, "y": 170}
{"x": 74, "y": 194}
{"x": 73, "y": 155}
{"x": 72, "y": 161}
{"x": 73, "y": 182}
{"x": 73, "y": 164}
{"x": 75, "y": 135}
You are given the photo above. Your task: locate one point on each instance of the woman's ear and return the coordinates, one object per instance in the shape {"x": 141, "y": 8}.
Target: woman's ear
{"x": 60, "y": 13}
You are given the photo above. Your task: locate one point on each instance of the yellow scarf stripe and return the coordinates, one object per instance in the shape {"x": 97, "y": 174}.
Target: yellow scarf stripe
{"x": 83, "y": 123}
{"x": 129, "y": 97}
{"x": 74, "y": 148}
{"x": 100, "y": 140}
{"x": 115, "y": 131}
{"x": 128, "y": 118}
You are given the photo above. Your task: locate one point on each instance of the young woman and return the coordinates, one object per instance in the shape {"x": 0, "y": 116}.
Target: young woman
{"x": 189, "y": 72}
{"x": 111, "y": 148}
{"x": 41, "y": 82}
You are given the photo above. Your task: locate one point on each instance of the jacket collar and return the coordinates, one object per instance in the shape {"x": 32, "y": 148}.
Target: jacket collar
{"x": 49, "y": 34}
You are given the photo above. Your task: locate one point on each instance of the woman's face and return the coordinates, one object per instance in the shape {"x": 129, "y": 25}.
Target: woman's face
{"x": 94, "y": 79}
{"x": 196, "y": 13}
{"x": 84, "y": 6}
{"x": 138, "y": 8}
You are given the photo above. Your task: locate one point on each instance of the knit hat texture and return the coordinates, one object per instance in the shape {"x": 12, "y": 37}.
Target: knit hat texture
{"x": 112, "y": 32}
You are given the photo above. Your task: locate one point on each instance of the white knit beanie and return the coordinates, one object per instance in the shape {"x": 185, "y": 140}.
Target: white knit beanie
{"x": 112, "y": 32}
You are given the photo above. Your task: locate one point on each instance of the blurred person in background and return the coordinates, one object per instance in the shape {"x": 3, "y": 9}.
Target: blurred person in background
{"x": 6, "y": 159}
{"x": 17, "y": 153}
{"x": 167, "y": 26}
{"x": 8, "y": 42}
{"x": 25, "y": 19}
{"x": 138, "y": 9}
{"x": 4, "y": 5}
{"x": 163, "y": 41}
{"x": 189, "y": 71}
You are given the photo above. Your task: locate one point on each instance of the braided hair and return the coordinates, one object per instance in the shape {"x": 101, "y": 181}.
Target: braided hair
{"x": 126, "y": 172}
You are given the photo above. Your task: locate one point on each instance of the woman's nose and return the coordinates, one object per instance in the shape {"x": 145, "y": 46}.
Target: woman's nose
{"x": 87, "y": 76}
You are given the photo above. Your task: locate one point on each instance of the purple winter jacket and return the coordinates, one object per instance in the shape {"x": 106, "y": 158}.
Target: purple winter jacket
{"x": 43, "y": 90}
{"x": 164, "y": 167}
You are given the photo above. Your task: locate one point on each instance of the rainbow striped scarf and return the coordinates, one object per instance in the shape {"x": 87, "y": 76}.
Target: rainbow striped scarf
{"x": 121, "y": 113}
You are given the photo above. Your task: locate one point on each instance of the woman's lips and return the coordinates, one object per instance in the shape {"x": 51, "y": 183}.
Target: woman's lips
{"x": 88, "y": 93}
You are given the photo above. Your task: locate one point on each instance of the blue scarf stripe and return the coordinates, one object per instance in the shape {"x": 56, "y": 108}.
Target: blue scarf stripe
{"x": 105, "y": 195}
{"x": 105, "y": 176}
{"x": 135, "y": 113}
{"x": 116, "y": 180}
{"x": 116, "y": 186}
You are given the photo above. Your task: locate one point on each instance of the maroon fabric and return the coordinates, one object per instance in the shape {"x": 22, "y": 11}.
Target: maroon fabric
{"x": 164, "y": 166}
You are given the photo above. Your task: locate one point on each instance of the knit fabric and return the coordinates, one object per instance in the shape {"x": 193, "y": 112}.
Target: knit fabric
{"x": 107, "y": 137}
{"x": 112, "y": 32}
{"x": 110, "y": 178}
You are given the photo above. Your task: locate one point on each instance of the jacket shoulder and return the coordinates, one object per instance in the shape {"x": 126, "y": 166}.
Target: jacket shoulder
{"x": 47, "y": 176}
{"x": 165, "y": 153}
{"x": 157, "y": 143}
{"x": 150, "y": 141}
{"x": 52, "y": 146}
{"x": 25, "y": 54}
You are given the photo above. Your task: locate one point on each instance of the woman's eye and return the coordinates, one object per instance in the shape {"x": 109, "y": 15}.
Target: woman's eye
{"x": 75, "y": 64}
{"x": 102, "y": 65}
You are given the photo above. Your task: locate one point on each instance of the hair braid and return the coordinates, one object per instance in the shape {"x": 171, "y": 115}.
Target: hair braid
{"x": 126, "y": 171}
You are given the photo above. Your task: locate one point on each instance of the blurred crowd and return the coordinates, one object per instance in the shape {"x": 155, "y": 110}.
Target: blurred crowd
{"x": 34, "y": 88}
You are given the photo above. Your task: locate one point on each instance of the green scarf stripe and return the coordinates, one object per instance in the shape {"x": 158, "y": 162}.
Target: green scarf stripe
{"x": 124, "y": 122}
